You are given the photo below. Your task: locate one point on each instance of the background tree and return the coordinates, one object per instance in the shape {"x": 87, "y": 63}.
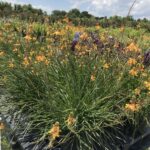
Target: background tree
{"x": 84, "y": 18}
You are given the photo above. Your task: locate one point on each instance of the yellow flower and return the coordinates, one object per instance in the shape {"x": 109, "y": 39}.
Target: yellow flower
{"x": 93, "y": 78}
{"x": 15, "y": 50}
{"x": 2, "y": 126}
{"x": 132, "y": 106}
{"x": 54, "y": 132}
{"x": 106, "y": 66}
{"x": 147, "y": 84}
{"x": 133, "y": 48}
{"x": 40, "y": 58}
{"x": 137, "y": 91}
{"x": 57, "y": 33}
{"x": 83, "y": 36}
{"x": 25, "y": 62}
{"x": 71, "y": 120}
{"x": 133, "y": 72}
{"x": 32, "y": 53}
{"x": 1, "y": 54}
{"x": 122, "y": 29}
{"x": 46, "y": 62}
{"x": 103, "y": 38}
{"x": 131, "y": 61}
{"x": 11, "y": 65}
{"x": 28, "y": 38}
{"x": 97, "y": 27}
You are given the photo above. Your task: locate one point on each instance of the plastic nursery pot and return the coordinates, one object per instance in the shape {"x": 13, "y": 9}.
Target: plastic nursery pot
{"x": 21, "y": 142}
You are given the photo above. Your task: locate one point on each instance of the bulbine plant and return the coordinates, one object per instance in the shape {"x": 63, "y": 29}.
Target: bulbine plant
{"x": 76, "y": 99}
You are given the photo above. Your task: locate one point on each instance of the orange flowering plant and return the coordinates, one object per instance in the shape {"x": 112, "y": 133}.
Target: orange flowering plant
{"x": 74, "y": 84}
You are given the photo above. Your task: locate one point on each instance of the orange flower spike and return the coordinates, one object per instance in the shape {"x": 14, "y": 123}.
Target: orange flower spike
{"x": 54, "y": 132}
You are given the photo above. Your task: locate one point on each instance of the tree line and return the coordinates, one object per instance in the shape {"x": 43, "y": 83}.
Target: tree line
{"x": 75, "y": 16}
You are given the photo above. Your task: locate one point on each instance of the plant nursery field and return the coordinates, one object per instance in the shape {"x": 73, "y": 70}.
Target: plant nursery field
{"x": 74, "y": 87}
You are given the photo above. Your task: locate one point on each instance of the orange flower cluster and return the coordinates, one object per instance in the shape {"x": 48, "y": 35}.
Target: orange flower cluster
{"x": 133, "y": 48}
{"x": 28, "y": 38}
{"x": 83, "y": 36}
{"x": 131, "y": 61}
{"x": 55, "y": 131}
{"x": 133, "y": 72}
{"x": 132, "y": 106}
{"x": 40, "y": 58}
{"x": 93, "y": 78}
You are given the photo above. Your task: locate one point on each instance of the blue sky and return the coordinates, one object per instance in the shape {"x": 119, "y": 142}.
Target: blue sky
{"x": 95, "y": 7}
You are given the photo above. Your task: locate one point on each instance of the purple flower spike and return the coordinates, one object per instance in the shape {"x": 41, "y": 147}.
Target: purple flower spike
{"x": 147, "y": 58}
{"x": 77, "y": 36}
{"x": 75, "y": 40}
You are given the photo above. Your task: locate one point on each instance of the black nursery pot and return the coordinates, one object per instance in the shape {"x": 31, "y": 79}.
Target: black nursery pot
{"x": 131, "y": 139}
{"x": 17, "y": 141}
{"x": 136, "y": 139}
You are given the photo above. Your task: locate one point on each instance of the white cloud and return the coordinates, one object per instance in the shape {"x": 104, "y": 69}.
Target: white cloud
{"x": 142, "y": 9}
{"x": 114, "y": 7}
{"x": 44, "y": 8}
{"x": 77, "y": 3}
